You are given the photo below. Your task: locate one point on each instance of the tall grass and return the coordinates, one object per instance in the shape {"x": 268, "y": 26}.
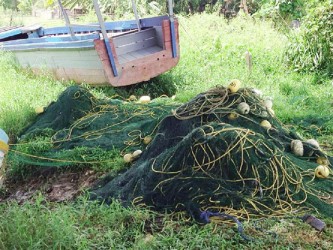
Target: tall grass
{"x": 212, "y": 53}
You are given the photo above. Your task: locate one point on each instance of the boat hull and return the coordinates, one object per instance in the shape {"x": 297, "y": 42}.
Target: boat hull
{"x": 82, "y": 65}
{"x": 87, "y": 61}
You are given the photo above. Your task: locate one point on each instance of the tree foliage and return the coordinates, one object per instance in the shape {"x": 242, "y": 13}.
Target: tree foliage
{"x": 110, "y": 6}
{"x": 9, "y": 4}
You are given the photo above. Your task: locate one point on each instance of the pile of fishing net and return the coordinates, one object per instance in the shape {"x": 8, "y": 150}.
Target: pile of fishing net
{"x": 80, "y": 129}
{"x": 224, "y": 151}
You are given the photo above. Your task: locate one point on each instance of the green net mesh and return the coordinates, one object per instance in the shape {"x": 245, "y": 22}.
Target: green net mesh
{"x": 80, "y": 129}
{"x": 213, "y": 153}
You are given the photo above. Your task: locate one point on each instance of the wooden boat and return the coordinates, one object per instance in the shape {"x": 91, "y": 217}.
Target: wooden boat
{"x": 119, "y": 53}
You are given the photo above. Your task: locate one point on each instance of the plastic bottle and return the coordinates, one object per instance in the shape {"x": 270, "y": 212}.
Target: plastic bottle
{"x": 3, "y": 145}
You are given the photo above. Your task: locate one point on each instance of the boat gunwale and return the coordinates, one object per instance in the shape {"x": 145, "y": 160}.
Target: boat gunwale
{"x": 66, "y": 41}
{"x": 67, "y": 45}
{"x": 52, "y": 39}
{"x": 110, "y": 26}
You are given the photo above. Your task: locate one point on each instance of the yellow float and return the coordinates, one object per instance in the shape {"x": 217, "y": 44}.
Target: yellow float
{"x": 234, "y": 85}
{"x": 322, "y": 171}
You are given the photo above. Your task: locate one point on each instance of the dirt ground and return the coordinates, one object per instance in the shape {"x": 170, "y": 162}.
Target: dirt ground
{"x": 55, "y": 186}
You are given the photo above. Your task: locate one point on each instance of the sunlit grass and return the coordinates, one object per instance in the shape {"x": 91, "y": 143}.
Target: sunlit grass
{"x": 21, "y": 93}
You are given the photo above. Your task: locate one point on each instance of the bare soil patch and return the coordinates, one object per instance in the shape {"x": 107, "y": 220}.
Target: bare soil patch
{"x": 55, "y": 185}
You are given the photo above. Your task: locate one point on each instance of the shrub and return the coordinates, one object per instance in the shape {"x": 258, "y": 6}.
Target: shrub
{"x": 311, "y": 49}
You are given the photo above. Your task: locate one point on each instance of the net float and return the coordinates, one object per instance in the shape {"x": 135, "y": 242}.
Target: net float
{"x": 313, "y": 143}
{"x": 268, "y": 103}
{"x": 297, "y": 147}
{"x": 233, "y": 116}
{"x": 128, "y": 158}
{"x": 265, "y": 124}
{"x": 132, "y": 98}
{"x": 322, "y": 161}
{"x": 137, "y": 153}
{"x": 39, "y": 110}
{"x": 322, "y": 171}
{"x": 234, "y": 85}
{"x": 144, "y": 99}
{"x": 243, "y": 108}
{"x": 147, "y": 139}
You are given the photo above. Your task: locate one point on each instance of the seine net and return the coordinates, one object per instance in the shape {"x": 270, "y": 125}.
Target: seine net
{"x": 221, "y": 151}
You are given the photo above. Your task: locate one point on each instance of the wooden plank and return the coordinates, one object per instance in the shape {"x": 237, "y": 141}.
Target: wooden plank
{"x": 138, "y": 53}
{"x": 154, "y": 49}
{"x": 145, "y": 68}
{"x": 134, "y": 37}
{"x": 128, "y": 57}
{"x": 116, "y": 34}
{"x": 153, "y": 21}
{"x": 30, "y": 28}
{"x": 136, "y": 46}
{"x": 167, "y": 32}
{"x": 159, "y": 35}
{"x": 121, "y": 59}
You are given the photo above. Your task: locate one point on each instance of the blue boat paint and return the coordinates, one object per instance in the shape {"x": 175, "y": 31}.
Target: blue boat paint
{"x": 153, "y": 21}
{"x": 173, "y": 38}
{"x": 33, "y": 35}
{"x": 10, "y": 33}
{"x": 53, "y": 39}
{"x": 172, "y": 29}
{"x": 110, "y": 26}
{"x": 48, "y": 45}
{"x": 110, "y": 55}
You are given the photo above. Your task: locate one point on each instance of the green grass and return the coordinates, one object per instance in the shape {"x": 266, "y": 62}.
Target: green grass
{"x": 212, "y": 53}
{"x": 21, "y": 93}
{"x": 87, "y": 225}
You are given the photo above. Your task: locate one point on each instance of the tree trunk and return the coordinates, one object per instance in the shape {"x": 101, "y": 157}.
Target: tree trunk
{"x": 243, "y": 6}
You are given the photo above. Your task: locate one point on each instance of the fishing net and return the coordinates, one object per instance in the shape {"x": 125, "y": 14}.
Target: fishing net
{"x": 214, "y": 153}
{"x": 81, "y": 129}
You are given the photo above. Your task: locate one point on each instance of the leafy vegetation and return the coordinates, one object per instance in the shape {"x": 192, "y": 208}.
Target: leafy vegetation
{"x": 311, "y": 48}
{"x": 9, "y": 4}
{"x": 212, "y": 53}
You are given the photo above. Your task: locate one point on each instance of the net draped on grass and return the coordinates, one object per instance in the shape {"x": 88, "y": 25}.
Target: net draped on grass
{"x": 206, "y": 155}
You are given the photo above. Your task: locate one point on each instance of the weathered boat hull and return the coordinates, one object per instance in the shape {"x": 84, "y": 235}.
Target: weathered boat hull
{"x": 138, "y": 56}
